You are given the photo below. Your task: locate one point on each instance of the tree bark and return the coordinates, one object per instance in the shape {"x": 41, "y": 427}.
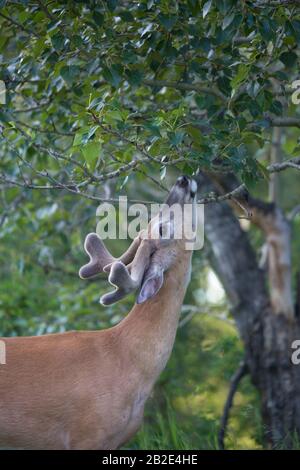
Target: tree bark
{"x": 267, "y": 333}
{"x": 275, "y": 157}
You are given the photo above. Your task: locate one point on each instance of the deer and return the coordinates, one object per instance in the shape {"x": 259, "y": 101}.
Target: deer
{"x": 88, "y": 389}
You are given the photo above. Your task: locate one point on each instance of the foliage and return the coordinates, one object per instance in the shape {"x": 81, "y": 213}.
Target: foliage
{"x": 108, "y": 97}
{"x": 106, "y": 83}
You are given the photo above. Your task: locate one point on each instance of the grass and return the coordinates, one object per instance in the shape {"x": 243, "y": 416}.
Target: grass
{"x": 185, "y": 409}
{"x": 163, "y": 433}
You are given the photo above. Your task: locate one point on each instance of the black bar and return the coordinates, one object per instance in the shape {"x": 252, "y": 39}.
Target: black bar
{"x": 138, "y": 458}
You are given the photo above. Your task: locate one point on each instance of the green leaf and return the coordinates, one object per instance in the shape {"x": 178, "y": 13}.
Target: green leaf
{"x": 163, "y": 172}
{"x": 135, "y": 77}
{"x": 196, "y": 135}
{"x": 227, "y": 21}
{"x": 249, "y": 137}
{"x": 98, "y": 18}
{"x": 111, "y": 4}
{"x": 4, "y": 117}
{"x": 249, "y": 180}
{"x": 289, "y": 145}
{"x": 91, "y": 152}
{"x": 206, "y": 8}
{"x": 167, "y": 21}
{"x": 84, "y": 135}
{"x": 240, "y": 77}
{"x": 127, "y": 16}
{"x": 153, "y": 129}
{"x": 288, "y": 58}
{"x": 69, "y": 72}
{"x": 58, "y": 41}
{"x": 112, "y": 116}
{"x": 112, "y": 75}
{"x": 176, "y": 137}
{"x": 268, "y": 29}
{"x": 263, "y": 170}
{"x": 77, "y": 139}
{"x": 276, "y": 108}
{"x": 124, "y": 182}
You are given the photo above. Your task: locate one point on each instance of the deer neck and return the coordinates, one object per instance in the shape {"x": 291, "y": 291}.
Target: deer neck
{"x": 148, "y": 332}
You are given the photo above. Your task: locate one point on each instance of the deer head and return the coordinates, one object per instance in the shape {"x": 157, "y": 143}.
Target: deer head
{"x": 151, "y": 253}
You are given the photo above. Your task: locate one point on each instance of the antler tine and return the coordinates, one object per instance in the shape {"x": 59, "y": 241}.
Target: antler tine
{"x": 100, "y": 257}
{"x": 127, "y": 256}
{"x": 123, "y": 281}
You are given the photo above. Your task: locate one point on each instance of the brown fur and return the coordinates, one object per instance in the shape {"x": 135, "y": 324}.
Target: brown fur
{"x": 87, "y": 390}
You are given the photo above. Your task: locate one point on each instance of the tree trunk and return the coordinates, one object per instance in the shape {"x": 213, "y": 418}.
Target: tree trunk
{"x": 267, "y": 333}
{"x": 277, "y": 379}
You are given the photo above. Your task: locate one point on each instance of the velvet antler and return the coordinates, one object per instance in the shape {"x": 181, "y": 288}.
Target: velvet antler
{"x": 100, "y": 256}
{"x": 126, "y": 281}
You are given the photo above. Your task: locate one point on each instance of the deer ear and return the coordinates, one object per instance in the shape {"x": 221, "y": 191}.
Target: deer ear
{"x": 151, "y": 285}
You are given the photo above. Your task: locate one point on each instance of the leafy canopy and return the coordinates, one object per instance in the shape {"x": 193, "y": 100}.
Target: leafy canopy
{"x": 100, "y": 90}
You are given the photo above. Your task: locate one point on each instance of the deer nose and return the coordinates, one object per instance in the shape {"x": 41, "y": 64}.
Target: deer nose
{"x": 183, "y": 181}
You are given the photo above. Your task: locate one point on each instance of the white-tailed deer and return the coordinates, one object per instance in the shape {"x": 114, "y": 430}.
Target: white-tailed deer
{"x": 87, "y": 389}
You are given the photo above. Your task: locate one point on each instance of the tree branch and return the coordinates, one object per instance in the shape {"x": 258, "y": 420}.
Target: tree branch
{"x": 234, "y": 382}
{"x": 275, "y": 159}
{"x": 74, "y": 188}
{"x": 277, "y": 231}
{"x": 46, "y": 11}
{"x": 291, "y": 163}
{"x": 8, "y": 182}
{"x": 11, "y": 207}
{"x": 294, "y": 212}
{"x": 284, "y": 121}
{"x": 186, "y": 87}
{"x": 19, "y": 25}
{"x": 213, "y": 197}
